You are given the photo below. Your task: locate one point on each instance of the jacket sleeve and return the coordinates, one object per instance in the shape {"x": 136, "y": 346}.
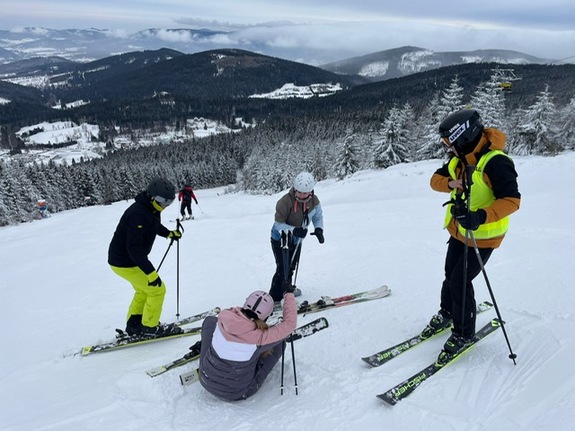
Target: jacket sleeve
{"x": 440, "y": 180}
{"x": 162, "y": 230}
{"x": 285, "y": 327}
{"x": 501, "y": 176}
{"x": 317, "y": 216}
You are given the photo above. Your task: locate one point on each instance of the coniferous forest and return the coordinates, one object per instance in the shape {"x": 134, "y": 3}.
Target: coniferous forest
{"x": 331, "y": 142}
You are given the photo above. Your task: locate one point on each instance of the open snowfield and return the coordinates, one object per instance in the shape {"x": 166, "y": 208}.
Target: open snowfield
{"x": 381, "y": 227}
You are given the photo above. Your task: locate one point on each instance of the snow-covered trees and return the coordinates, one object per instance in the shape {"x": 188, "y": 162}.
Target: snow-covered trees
{"x": 488, "y": 100}
{"x": 395, "y": 135}
{"x": 347, "y": 158}
{"x": 265, "y": 159}
{"x": 537, "y": 134}
{"x": 566, "y": 125}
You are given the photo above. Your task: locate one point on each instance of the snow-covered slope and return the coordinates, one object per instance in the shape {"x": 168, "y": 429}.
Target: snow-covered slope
{"x": 59, "y": 294}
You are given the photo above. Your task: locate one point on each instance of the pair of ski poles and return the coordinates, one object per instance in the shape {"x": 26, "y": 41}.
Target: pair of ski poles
{"x": 287, "y": 264}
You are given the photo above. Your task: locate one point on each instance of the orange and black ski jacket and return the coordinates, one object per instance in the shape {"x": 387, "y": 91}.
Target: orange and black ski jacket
{"x": 498, "y": 174}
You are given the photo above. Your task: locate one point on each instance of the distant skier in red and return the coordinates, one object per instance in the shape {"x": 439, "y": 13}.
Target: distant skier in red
{"x": 185, "y": 196}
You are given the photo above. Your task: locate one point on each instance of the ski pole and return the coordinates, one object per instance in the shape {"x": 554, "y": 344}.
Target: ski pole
{"x": 178, "y": 227}
{"x": 296, "y": 251}
{"x": 512, "y": 355}
{"x": 285, "y": 240}
{"x": 469, "y": 234}
{"x": 467, "y": 182}
{"x": 283, "y": 367}
{"x": 165, "y": 254}
{"x": 293, "y": 361}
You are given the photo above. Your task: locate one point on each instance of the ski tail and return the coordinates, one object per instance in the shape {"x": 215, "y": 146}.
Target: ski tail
{"x": 187, "y": 320}
{"x": 309, "y": 329}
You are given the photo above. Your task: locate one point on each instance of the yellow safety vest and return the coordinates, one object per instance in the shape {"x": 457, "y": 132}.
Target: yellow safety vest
{"x": 481, "y": 197}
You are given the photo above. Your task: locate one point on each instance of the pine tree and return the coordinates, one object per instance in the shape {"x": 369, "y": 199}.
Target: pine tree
{"x": 347, "y": 161}
{"x": 430, "y": 146}
{"x": 566, "y": 133}
{"x": 390, "y": 148}
{"x": 451, "y": 99}
{"x": 489, "y": 101}
{"x": 537, "y": 131}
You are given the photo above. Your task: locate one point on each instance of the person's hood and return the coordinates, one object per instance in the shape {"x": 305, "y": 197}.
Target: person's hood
{"x": 491, "y": 139}
{"x": 234, "y": 324}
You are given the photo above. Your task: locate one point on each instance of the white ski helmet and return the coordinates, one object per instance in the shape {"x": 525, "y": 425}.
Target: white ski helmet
{"x": 304, "y": 182}
{"x": 261, "y": 303}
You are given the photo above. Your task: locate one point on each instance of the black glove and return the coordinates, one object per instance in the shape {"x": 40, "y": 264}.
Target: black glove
{"x": 318, "y": 232}
{"x": 458, "y": 208}
{"x": 154, "y": 279}
{"x": 471, "y": 220}
{"x": 175, "y": 235}
{"x": 289, "y": 288}
{"x": 300, "y": 232}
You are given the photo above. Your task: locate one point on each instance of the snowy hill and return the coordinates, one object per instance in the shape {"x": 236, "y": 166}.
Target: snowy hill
{"x": 381, "y": 227}
{"x": 407, "y": 60}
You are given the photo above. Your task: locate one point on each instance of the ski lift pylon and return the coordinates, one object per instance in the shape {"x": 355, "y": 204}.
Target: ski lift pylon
{"x": 505, "y": 78}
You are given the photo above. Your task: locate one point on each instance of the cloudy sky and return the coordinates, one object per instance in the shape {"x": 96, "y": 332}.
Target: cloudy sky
{"x": 541, "y": 28}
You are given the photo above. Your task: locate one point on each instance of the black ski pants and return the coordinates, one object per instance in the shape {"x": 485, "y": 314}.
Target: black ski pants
{"x": 453, "y": 293}
{"x": 277, "y": 286}
{"x": 186, "y": 205}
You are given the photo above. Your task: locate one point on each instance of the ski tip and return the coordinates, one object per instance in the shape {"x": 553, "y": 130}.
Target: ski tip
{"x": 390, "y": 400}
{"x": 156, "y": 371}
{"x": 86, "y": 350}
{"x": 367, "y": 360}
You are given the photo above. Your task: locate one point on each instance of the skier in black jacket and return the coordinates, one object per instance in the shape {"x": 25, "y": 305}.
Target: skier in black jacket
{"x": 128, "y": 257}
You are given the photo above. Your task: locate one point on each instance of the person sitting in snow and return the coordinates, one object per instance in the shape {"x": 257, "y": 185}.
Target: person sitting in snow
{"x": 128, "y": 257}
{"x": 239, "y": 350}
{"x": 482, "y": 182}
{"x": 294, "y": 211}
{"x": 185, "y": 196}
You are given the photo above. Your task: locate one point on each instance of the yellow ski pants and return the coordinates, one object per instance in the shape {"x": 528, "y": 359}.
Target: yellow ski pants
{"x": 148, "y": 300}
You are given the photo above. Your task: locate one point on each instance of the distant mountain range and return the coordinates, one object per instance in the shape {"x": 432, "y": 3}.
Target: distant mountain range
{"x": 399, "y": 62}
{"x": 145, "y": 88}
{"x": 83, "y": 46}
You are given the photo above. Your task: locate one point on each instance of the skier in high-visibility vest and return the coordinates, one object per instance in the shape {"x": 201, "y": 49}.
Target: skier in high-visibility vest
{"x": 482, "y": 183}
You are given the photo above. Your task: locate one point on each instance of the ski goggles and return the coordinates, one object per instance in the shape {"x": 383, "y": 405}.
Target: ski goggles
{"x": 163, "y": 202}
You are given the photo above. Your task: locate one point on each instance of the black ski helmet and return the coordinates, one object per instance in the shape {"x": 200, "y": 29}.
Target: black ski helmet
{"x": 162, "y": 191}
{"x": 462, "y": 129}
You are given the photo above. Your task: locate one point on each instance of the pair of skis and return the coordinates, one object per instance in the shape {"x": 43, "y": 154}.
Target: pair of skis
{"x": 124, "y": 340}
{"x": 408, "y": 386}
{"x": 405, "y": 388}
{"x": 306, "y": 307}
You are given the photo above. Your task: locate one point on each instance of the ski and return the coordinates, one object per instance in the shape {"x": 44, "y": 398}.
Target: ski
{"x": 187, "y": 320}
{"x": 388, "y": 354}
{"x": 327, "y": 302}
{"x": 405, "y": 388}
{"x": 192, "y": 355}
{"x": 125, "y": 340}
{"x": 191, "y": 377}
